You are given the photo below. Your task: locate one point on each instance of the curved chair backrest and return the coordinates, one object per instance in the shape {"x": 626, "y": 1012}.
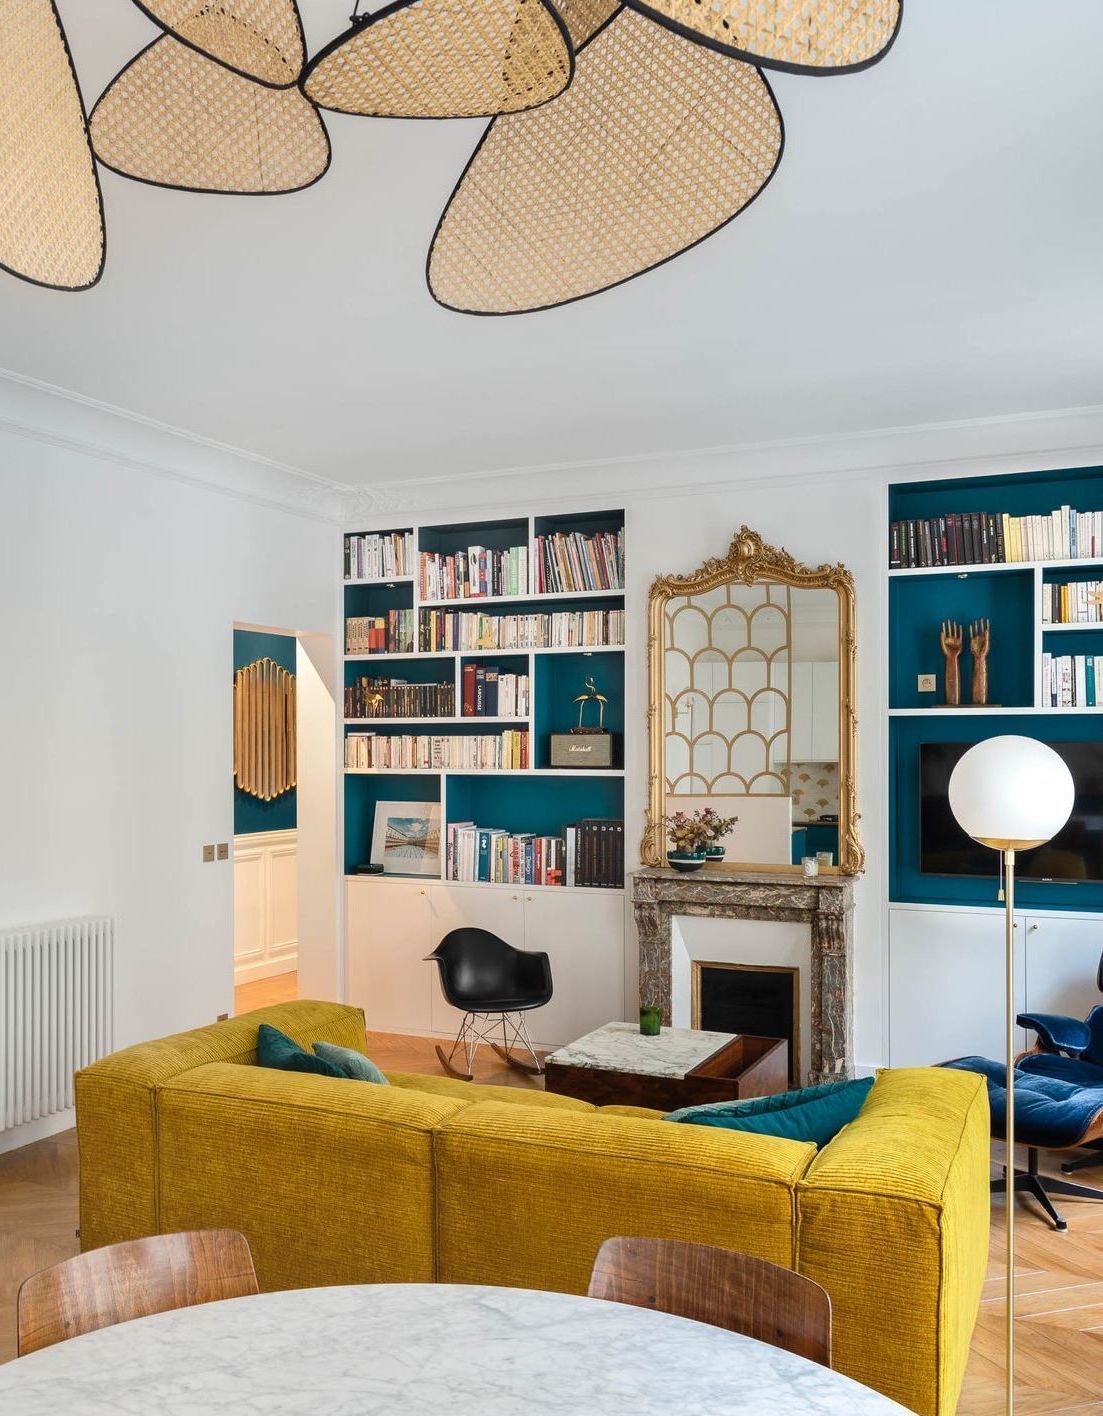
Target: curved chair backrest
{"x": 476, "y": 967}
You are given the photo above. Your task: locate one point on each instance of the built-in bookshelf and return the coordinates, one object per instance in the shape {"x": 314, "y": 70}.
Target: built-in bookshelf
{"x": 458, "y": 671}
{"x": 1023, "y": 552}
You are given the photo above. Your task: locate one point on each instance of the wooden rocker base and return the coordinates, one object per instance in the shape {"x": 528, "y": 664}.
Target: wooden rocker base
{"x": 452, "y": 1071}
{"x": 475, "y": 1029}
{"x": 533, "y": 1070}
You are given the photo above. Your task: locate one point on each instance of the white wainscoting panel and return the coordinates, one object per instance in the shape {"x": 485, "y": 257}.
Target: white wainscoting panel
{"x": 265, "y": 905}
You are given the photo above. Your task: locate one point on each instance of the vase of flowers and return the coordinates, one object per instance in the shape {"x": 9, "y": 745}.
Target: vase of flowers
{"x": 718, "y": 827}
{"x": 688, "y": 837}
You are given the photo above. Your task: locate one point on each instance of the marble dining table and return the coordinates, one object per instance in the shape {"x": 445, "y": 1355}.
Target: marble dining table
{"x": 419, "y": 1350}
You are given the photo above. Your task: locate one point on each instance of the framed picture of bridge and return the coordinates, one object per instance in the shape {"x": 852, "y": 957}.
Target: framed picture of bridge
{"x": 406, "y": 838}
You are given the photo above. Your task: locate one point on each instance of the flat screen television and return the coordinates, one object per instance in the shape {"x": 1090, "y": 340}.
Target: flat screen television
{"x": 1074, "y": 854}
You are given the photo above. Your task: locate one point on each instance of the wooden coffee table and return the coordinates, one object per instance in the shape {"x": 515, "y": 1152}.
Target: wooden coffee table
{"x": 618, "y": 1066}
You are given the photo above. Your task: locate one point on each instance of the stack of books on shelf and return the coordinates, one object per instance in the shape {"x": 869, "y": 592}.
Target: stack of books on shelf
{"x": 478, "y": 753}
{"x": 395, "y": 698}
{"x": 459, "y": 630}
{"x": 481, "y": 853}
{"x": 375, "y": 557}
{"x": 994, "y": 538}
{"x": 595, "y": 854}
{"x": 1075, "y": 602}
{"x": 392, "y": 633}
{"x": 489, "y": 693}
{"x": 567, "y": 562}
{"x": 474, "y": 572}
{"x": 1068, "y": 680}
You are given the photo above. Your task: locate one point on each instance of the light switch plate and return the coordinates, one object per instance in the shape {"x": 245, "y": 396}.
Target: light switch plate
{"x": 208, "y": 854}
{"x": 928, "y": 683}
{"x": 224, "y": 850}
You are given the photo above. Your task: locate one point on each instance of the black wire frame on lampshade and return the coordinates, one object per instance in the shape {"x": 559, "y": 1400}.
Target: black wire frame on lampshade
{"x": 58, "y": 206}
{"x": 233, "y": 17}
{"x": 289, "y": 133}
{"x": 788, "y": 43}
{"x": 347, "y": 77}
{"x": 463, "y": 278}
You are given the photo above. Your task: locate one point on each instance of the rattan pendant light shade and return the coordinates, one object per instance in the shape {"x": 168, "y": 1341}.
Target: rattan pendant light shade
{"x": 51, "y": 214}
{"x": 802, "y": 36}
{"x": 176, "y": 119}
{"x": 584, "y": 18}
{"x": 259, "y": 39}
{"x": 656, "y": 144}
{"x": 445, "y": 59}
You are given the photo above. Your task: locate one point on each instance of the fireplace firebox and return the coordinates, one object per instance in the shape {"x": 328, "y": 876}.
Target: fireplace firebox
{"x": 762, "y": 1000}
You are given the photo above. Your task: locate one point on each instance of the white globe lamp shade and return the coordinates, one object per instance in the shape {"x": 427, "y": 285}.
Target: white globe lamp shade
{"x": 1011, "y": 792}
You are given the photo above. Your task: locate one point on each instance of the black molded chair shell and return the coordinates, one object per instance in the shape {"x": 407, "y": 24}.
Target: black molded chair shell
{"x": 480, "y": 973}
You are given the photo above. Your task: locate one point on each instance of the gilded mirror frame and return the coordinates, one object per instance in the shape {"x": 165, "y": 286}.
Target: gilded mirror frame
{"x": 750, "y": 561}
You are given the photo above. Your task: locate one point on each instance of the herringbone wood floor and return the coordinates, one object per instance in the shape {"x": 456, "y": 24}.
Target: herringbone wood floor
{"x": 1060, "y": 1307}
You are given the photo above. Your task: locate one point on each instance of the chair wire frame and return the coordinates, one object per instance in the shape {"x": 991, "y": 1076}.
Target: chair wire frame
{"x": 477, "y": 1028}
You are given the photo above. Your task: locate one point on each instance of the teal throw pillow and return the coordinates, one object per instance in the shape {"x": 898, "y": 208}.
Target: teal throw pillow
{"x": 276, "y": 1049}
{"x": 814, "y": 1114}
{"x": 351, "y": 1063}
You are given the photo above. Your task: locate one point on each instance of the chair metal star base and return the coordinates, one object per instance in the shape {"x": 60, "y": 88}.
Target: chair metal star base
{"x": 477, "y": 1028}
{"x": 1030, "y": 1182}
{"x": 1085, "y": 1162}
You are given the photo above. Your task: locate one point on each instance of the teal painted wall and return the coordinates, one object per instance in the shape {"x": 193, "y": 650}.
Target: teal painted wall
{"x": 251, "y": 815}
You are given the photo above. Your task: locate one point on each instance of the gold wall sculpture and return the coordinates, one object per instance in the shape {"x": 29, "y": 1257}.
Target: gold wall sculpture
{"x": 264, "y": 729}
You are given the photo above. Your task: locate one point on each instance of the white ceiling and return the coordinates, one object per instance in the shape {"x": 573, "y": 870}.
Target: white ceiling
{"x": 930, "y": 249}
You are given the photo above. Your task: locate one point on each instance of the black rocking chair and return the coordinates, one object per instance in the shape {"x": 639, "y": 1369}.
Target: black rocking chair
{"x": 491, "y": 983}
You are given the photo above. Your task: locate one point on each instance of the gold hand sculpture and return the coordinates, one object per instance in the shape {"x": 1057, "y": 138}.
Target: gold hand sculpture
{"x": 951, "y": 640}
{"x": 980, "y": 641}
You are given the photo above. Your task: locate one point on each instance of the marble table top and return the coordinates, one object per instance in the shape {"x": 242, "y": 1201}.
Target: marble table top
{"x": 414, "y": 1349}
{"x": 621, "y": 1047}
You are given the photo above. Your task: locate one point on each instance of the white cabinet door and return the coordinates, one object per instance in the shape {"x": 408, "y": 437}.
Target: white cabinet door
{"x": 946, "y": 984}
{"x": 1062, "y": 957}
{"x": 825, "y": 712}
{"x": 458, "y": 906}
{"x": 388, "y": 938}
{"x": 582, "y": 932}
{"x": 802, "y": 712}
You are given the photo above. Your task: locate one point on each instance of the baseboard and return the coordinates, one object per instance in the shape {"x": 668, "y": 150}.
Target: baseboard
{"x": 38, "y": 1130}
{"x": 272, "y": 968}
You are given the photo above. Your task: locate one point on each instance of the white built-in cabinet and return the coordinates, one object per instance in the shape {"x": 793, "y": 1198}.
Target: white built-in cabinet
{"x": 266, "y": 905}
{"x": 394, "y": 924}
{"x": 814, "y": 722}
{"x": 946, "y": 977}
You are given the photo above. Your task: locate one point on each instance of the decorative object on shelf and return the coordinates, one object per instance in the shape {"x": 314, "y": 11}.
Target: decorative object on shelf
{"x": 718, "y": 827}
{"x": 722, "y": 666}
{"x": 174, "y": 118}
{"x": 1011, "y": 793}
{"x": 264, "y": 729}
{"x": 585, "y": 746}
{"x": 651, "y": 1022}
{"x": 810, "y": 865}
{"x": 51, "y": 210}
{"x": 444, "y": 59}
{"x": 583, "y": 179}
{"x": 257, "y": 39}
{"x": 826, "y": 37}
{"x": 690, "y": 835}
{"x": 825, "y": 858}
{"x": 951, "y": 639}
{"x": 686, "y": 861}
{"x": 980, "y": 641}
{"x": 406, "y": 837}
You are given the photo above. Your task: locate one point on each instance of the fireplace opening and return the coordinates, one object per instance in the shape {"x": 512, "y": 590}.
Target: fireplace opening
{"x": 750, "y": 998}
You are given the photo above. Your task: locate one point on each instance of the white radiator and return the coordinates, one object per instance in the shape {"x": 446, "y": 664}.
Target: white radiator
{"x": 56, "y": 1014}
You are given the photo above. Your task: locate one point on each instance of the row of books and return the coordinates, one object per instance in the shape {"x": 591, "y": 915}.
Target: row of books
{"x": 477, "y": 571}
{"x": 571, "y": 561}
{"x": 396, "y": 698}
{"x": 481, "y": 752}
{"x": 375, "y": 557}
{"x": 480, "y": 853}
{"x": 390, "y": 633}
{"x": 489, "y": 693}
{"x": 457, "y": 630}
{"x": 1075, "y": 602}
{"x": 1069, "y": 680}
{"x": 994, "y": 538}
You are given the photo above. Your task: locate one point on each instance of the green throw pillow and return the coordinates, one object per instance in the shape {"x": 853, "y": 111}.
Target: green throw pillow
{"x": 811, "y": 1114}
{"x": 351, "y": 1063}
{"x": 276, "y": 1049}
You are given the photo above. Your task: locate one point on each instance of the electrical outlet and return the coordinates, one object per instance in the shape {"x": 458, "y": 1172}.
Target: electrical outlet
{"x": 224, "y": 850}
{"x": 208, "y": 854}
{"x": 927, "y": 683}
{"x": 222, "y": 1017}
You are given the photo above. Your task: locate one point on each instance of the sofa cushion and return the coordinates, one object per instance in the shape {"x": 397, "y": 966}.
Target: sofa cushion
{"x": 350, "y": 1063}
{"x": 815, "y": 1114}
{"x": 275, "y": 1049}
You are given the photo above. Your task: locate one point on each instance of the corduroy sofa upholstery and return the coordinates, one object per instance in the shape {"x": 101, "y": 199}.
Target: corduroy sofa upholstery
{"x": 433, "y": 1179}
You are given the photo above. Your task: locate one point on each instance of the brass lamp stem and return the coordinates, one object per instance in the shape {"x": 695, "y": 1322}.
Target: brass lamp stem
{"x": 1009, "y": 1126}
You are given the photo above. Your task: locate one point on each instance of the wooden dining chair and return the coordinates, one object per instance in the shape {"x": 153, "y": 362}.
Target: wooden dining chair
{"x": 717, "y": 1286}
{"x": 132, "y": 1280}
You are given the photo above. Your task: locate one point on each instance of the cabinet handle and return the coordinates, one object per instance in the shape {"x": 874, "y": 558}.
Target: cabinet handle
{"x": 529, "y": 899}
{"x": 1031, "y": 928}
{"x": 514, "y": 897}
{"x": 423, "y": 892}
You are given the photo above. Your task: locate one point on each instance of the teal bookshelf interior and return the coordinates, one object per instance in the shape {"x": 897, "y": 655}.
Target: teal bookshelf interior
{"x": 363, "y": 791}
{"x": 540, "y": 805}
{"x": 560, "y": 678}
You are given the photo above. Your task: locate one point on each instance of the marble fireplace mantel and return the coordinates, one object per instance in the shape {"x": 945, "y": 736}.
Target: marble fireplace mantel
{"x": 824, "y": 902}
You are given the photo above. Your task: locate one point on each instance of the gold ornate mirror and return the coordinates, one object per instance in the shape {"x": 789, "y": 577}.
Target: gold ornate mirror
{"x": 751, "y": 664}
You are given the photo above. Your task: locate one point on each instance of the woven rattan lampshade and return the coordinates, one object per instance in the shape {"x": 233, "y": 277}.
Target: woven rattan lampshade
{"x": 176, "y": 119}
{"x": 584, "y": 18}
{"x": 51, "y": 215}
{"x": 445, "y": 59}
{"x": 803, "y": 36}
{"x": 656, "y": 144}
{"x": 260, "y": 39}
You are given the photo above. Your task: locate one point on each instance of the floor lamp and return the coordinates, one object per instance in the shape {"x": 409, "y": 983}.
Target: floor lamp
{"x": 1011, "y": 793}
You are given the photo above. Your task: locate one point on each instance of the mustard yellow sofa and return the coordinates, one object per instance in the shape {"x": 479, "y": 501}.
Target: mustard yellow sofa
{"x": 433, "y": 1179}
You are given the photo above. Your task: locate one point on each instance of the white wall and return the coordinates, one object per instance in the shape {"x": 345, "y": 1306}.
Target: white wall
{"x": 119, "y": 588}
